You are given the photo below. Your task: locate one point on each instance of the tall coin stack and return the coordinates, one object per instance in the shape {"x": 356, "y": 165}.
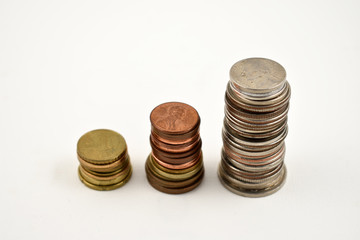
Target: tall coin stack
{"x": 104, "y": 160}
{"x": 255, "y": 126}
{"x": 175, "y": 164}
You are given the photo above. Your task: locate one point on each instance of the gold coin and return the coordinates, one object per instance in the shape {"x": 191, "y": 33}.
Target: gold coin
{"x": 109, "y": 180}
{"x": 105, "y": 187}
{"x": 104, "y": 168}
{"x": 107, "y": 174}
{"x": 101, "y": 146}
{"x": 171, "y": 177}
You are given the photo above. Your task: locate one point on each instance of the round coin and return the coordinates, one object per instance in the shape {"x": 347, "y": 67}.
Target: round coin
{"x": 174, "y": 118}
{"x": 101, "y": 146}
{"x": 257, "y": 75}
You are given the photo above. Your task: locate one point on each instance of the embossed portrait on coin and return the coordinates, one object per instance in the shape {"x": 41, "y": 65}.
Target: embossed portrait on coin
{"x": 175, "y": 116}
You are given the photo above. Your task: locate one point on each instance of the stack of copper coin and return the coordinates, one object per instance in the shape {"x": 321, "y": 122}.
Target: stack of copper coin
{"x": 175, "y": 164}
{"x": 255, "y": 126}
{"x": 104, "y": 160}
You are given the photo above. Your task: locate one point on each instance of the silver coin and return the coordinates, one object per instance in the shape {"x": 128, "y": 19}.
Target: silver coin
{"x": 255, "y": 127}
{"x": 258, "y": 75}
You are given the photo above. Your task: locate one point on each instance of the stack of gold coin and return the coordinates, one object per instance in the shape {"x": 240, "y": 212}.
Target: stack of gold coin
{"x": 175, "y": 164}
{"x": 255, "y": 126}
{"x": 104, "y": 160}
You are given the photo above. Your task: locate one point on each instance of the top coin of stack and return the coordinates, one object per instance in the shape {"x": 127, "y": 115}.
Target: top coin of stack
{"x": 255, "y": 126}
{"x": 104, "y": 161}
{"x": 175, "y": 164}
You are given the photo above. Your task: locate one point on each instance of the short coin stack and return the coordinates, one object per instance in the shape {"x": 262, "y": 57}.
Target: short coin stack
{"x": 255, "y": 126}
{"x": 175, "y": 164}
{"x": 104, "y": 161}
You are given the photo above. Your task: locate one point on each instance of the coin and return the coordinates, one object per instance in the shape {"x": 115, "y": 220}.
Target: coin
{"x": 101, "y": 146}
{"x": 257, "y": 75}
{"x": 175, "y": 164}
{"x": 104, "y": 160}
{"x": 255, "y": 127}
{"x": 174, "y": 118}
{"x": 105, "y": 187}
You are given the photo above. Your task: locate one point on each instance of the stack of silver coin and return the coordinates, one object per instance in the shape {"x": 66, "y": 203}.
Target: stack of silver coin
{"x": 255, "y": 126}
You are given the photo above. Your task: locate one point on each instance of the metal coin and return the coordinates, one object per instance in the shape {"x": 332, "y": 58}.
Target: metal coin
{"x": 101, "y": 146}
{"x": 105, "y": 187}
{"x": 255, "y": 127}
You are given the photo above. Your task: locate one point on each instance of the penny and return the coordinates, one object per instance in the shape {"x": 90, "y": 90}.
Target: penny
{"x": 198, "y": 164}
{"x": 191, "y": 162}
{"x": 175, "y": 148}
{"x": 175, "y": 164}
{"x": 174, "y": 118}
{"x": 176, "y": 158}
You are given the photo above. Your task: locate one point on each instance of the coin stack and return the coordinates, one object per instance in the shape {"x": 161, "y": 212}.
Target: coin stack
{"x": 175, "y": 164}
{"x": 255, "y": 126}
{"x": 104, "y": 161}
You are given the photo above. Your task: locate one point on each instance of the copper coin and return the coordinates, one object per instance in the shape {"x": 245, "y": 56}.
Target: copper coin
{"x": 190, "y": 163}
{"x": 173, "y": 190}
{"x": 178, "y": 155}
{"x": 176, "y": 139}
{"x": 172, "y": 148}
{"x": 174, "y": 118}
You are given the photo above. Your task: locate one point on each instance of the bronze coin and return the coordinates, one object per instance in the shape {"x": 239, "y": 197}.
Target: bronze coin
{"x": 104, "y": 168}
{"x": 104, "y": 187}
{"x": 191, "y": 162}
{"x": 174, "y": 118}
{"x": 172, "y": 148}
{"x": 178, "y": 158}
{"x": 176, "y": 139}
{"x": 105, "y": 180}
{"x": 169, "y": 176}
{"x": 173, "y": 190}
{"x": 173, "y": 184}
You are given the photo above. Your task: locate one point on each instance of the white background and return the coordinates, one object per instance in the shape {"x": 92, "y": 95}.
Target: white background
{"x": 68, "y": 67}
